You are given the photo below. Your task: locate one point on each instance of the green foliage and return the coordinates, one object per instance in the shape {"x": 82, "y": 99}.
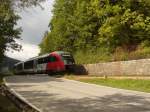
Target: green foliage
{"x": 87, "y": 57}
{"x": 140, "y": 53}
{"x": 130, "y": 84}
{"x": 8, "y": 21}
{"x": 5, "y": 104}
{"x": 8, "y": 32}
{"x": 85, "y": 26}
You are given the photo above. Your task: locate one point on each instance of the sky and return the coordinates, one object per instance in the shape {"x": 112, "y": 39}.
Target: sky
{"x": 34, "y": 22}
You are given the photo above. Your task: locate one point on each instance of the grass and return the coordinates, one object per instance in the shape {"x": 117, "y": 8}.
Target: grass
{"x": 130, "y": 84}
{"x": 5, "y": 104}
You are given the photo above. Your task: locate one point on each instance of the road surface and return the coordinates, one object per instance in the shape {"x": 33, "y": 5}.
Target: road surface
{"x": 50, "y": 94}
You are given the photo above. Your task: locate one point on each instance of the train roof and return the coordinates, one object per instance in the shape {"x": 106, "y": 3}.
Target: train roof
{"x": 19, "y": 63}
{"x": 45, "y": 55}
{"x": 61, "y": 52}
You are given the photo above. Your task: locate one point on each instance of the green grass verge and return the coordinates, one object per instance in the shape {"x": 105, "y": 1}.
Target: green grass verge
{"x": 130, "y": 84}
{"x": 5, "y": 104}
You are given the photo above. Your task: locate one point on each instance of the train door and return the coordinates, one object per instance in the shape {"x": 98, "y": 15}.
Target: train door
{"x": 35, "y": 66}
{"x": 53, "y": 63}
{"x": 41, "y": 65}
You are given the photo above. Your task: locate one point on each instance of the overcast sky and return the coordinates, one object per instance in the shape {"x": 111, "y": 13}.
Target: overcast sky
{"x": 34, "y": 23}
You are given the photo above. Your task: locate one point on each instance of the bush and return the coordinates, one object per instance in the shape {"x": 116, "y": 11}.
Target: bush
{"x": 120, "y": 55}
{"x": 140, "y": 53}
{"x": 103, "y": 55}
{"x": 92, "y": 56}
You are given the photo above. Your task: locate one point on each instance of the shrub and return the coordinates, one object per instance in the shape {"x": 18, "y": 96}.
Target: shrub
{"x": 92, "y": 56}
{"x": 103, "y": 55}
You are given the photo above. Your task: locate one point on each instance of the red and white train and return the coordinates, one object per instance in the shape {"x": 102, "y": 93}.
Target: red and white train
{"x": 54, "y": 62}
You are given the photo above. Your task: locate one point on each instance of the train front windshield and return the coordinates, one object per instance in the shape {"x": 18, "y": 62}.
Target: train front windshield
{"x": 68, "y": 59}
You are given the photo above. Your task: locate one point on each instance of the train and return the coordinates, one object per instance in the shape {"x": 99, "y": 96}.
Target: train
{"x": 57, "y": 61}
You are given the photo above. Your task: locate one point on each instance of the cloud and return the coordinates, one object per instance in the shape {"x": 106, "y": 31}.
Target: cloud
{"x": 28, "y": 51}
{"x": 34, "y": 23}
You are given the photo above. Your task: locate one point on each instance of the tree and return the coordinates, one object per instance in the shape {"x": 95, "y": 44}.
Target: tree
{"x": 8, "y": 32}
{"x": 93, "y": 24}
{"x": 126, "y": 24}
{"x": 8, "y": 20}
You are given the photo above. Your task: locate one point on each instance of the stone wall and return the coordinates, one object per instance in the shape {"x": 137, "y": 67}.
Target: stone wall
{"x": 125, "y": 68}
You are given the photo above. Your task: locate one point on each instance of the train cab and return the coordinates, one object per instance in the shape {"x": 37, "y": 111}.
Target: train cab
{"x": 57, "y": 61}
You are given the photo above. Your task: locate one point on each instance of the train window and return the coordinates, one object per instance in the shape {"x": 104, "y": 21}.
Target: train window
{"x": 19, "y": 67}
{"x": 44, "y": 60}
{"x": 47, "y": 59}
{"x": 29, "y": 64}
{"x": 52, "y": 59}
{"x": 68, "y": 59}
{"x": 40, "y": 61}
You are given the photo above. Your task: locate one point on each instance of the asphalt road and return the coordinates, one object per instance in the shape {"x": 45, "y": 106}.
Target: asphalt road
{"x": 61, "y": 95}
